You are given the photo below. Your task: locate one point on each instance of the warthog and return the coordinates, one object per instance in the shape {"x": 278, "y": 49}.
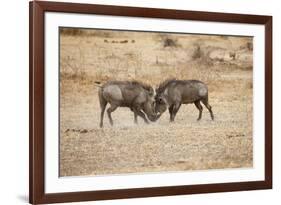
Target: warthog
{"x": 173, "y": 93}
{"x": 132, "y": 94}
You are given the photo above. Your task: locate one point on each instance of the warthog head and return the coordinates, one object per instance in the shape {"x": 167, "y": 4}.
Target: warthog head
{"x": 161, "y": 104}
{"x": 149, "y": 106}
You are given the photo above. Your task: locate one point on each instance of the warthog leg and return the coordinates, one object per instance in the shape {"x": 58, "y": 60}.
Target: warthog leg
{"x": 171, "y": 111}
{"x": 109, "y": 111}
{"x": 200, "y": 108}
{"x": 103, "y": 104}
{"x": 135, "y": 118}
{"x": 138, "y": 112}
{"x": 135, "y": 115}
{"x": 102, "y": 114}
{"x": 208, "y": 106}
{"x": 176, "y": 108}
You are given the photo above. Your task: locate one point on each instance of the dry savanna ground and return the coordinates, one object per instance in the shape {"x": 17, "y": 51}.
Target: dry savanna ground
{"x": 223, "y": 63}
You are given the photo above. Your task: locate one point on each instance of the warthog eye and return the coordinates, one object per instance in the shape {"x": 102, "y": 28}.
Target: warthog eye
{"x": 160, "y": 100}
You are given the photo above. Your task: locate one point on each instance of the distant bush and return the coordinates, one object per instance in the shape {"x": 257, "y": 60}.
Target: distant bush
{"x": 86, "y": 32}
{"x": 197, "y": 53}
{"x": 250, "y": 46}
{"x": 71, "y": 31}
{"x": 168, "y": 42}
{"x": 124, "y": 41}
{"x": 232, "y": 55}
{"x": 223, "y": 37}
{"x": 202, "y": 55}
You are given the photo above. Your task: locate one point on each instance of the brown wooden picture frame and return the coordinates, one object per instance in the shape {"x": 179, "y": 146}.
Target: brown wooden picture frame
{"x": 37, "y": 193}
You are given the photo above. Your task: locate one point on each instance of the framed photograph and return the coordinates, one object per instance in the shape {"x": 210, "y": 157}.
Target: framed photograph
{"x": 139, "y": 102}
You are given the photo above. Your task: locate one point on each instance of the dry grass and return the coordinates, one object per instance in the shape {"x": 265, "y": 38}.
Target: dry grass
{"x": 186, "y": 144}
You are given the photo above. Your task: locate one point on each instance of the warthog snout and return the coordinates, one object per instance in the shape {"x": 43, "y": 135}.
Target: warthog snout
{"x": 154, "y": 117}
{"x": 160, "y": 105}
